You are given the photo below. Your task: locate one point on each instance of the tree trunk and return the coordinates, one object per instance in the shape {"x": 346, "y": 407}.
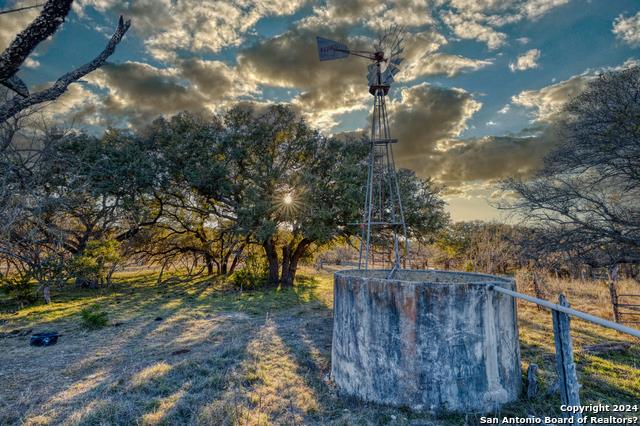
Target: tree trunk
{"x": 272, "y": 259}
{"x": 286, "y": 261}
{"x": 234, "y": 262}
{"x": 289, "y": 273}
{"x": 164, "y": 265}
{"x": 209, "y": 262}
{"x": 47, "y": 294}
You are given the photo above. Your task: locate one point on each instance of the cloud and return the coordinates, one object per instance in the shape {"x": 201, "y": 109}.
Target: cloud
{"x": 536, "y": 8}
{"x": 139, "y": 92}
{"x": 512, "y": 10}
{"x": 472, "y": 26}
{"x": 290, "y": 60}
{"x": 78, "y": 104}
{"x": 167, "y": 26}
{"x": 526, "y": 61}
{"x": 374, "y": 14}
{"x": 490, "y": 159}
{"x": 427, "y": 121}
{"x": 12, "y": 23}
{"x": 628, "y": 29}
{"x": 31, "y": 63}
{"x": 422, "y": 59}
{"x": 425, "y": 116}
{"x": 548, "y": 101}
{"x": 480, "y": 19}
{"x": 442, "y": 64}
{"x": 135, "y": 93}
{"x": 215, "y": 79}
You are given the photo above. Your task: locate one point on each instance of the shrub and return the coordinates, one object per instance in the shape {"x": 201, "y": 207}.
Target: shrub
{"x": 19, "y": 289}
{"x": 469, "y": 266}
{"x": 96, "y": 263}
{"x": 93, "y": 317}
{"x": 247, "y": 280}
{"x": 252, "y": 275}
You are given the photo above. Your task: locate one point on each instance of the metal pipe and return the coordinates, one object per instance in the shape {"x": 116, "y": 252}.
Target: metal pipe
{"x": 581, "y": 315}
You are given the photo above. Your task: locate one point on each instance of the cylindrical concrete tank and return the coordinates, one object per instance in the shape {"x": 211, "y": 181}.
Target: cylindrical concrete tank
{"x": 428, "y": 340}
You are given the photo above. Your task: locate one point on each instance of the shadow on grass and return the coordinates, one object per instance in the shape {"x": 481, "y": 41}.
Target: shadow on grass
{"x": 190, "y": 364}
{"x": 202, "y": 363}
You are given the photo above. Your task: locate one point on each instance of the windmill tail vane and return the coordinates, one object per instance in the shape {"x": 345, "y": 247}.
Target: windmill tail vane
{"x": 329, "y": 50}
{"x": 383, "y": 212}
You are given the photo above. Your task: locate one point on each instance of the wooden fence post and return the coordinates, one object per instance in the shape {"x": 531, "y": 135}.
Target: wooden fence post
{"x": 536, "y": 288}
{"x": 532, "y": 381}
{"x": 567, "y": 376}
{"x": 614, "y": 301}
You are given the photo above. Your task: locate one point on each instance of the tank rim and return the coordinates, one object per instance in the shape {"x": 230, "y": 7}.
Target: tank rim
{"x": 494, "y": 279}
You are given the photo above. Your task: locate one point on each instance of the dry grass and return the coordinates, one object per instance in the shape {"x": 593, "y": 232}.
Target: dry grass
{"x": 218, "y": 357}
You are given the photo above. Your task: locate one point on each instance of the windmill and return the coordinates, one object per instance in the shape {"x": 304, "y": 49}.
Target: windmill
{"x": 383, "y": 206}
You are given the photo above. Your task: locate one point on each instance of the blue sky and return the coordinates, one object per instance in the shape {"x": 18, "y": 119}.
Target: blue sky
{"x": 482, "y": 80}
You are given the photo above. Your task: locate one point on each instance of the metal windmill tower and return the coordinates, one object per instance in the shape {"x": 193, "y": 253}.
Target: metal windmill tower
{"x": 383, "y": 210}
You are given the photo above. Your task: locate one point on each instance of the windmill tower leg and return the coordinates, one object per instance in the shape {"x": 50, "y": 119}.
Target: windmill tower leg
{"x": 383, "y": 205}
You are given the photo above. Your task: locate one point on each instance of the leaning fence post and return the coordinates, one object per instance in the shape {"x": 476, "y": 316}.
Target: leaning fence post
{"x": 567, "y": 376}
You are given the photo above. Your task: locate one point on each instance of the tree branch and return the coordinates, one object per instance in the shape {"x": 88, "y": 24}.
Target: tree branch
{"x": 16, "y": 105}
{"x": 51, "y": 17}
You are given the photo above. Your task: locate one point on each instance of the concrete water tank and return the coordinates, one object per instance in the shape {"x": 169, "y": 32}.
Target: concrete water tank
{"x": 428, "y": 340}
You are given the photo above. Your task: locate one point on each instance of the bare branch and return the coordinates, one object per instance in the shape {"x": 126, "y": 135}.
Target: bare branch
{"x": 51, "y": 17}
{"x": 16, "y": 105}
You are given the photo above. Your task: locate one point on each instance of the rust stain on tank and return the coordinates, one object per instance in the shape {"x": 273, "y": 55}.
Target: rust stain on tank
{"x": 408, "y": 324}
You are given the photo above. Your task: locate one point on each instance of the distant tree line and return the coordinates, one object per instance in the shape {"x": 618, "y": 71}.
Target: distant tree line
{"x": 579, "y": 214}
{"x": 582, "y": 207}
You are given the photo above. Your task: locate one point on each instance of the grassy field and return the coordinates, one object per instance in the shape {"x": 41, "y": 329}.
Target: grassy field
{"x": 199, "y": 353}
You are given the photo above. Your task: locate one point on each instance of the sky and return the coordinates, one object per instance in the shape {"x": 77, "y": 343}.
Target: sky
{"x": 481, "y": 82}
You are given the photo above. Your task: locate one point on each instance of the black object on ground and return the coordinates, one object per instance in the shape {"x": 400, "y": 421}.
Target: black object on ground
{"x": 44, "y": 339}
{"x": 158, "y": 319}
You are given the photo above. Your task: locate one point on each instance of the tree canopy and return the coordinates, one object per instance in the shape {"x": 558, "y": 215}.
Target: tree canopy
{"x": 201, "y": 190}
{"x": 585, "y": 199}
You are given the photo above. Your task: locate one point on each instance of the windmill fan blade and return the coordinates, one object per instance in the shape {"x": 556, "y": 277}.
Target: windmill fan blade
{"x": 392, "y": 69}
{"x": 397, "y": 52}
{"x": 389, "y": 74}
{"x": 329, "y": 50}
{"x": 396, "y": 61}
{"x": 372, "y": 75}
